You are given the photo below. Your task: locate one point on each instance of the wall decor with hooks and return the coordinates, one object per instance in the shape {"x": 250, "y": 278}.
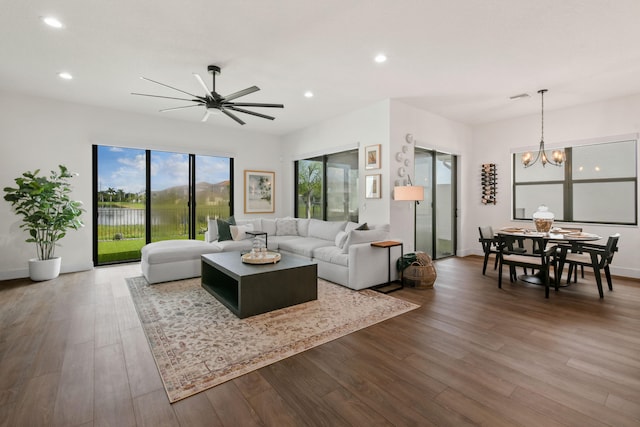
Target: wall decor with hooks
{"x": 489, "y": 182}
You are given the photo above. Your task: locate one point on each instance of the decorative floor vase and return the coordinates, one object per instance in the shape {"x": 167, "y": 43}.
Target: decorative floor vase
{"x": 46, "y": 269}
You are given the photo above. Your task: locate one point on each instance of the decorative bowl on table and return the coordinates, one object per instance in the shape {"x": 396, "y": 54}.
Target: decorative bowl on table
{"x": 262, "y": 257}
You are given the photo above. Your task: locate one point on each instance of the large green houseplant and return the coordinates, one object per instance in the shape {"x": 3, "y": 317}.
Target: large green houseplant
{"x": 47, "y": 214}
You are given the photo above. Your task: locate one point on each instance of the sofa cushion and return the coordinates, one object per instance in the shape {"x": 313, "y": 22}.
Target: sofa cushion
{"x": 363, "y": 236}
{"x": 341, "y": 237}
{"x": 303, "y": 245}
{"x": 286, "y": 227}
{"x": 233, "y": 245}
{"x": 332, "y": 255}
{"x": 303, "y": 227}
{"x": 239, "y": 232}
{"x": 269, "y": 226}
{"x": 212, "y": 230}
{"x": 224, "y": 231}
{"x": 167, "y": 251}
{"x": 326, "y": 230}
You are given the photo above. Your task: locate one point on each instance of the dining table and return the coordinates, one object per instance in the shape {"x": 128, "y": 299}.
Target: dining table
{"x": 556, "y": 235}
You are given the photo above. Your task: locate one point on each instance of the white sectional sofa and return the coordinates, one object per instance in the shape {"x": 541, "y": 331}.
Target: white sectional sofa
{"x": 342, "y": 251}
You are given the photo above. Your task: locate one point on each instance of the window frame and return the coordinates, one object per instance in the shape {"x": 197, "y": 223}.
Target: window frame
{"x": 569, "y": 182}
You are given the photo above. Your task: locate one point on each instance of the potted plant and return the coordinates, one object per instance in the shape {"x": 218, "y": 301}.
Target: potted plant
{"x": 47, "y": 213}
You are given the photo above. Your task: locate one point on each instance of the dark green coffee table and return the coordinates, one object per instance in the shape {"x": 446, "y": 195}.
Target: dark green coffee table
{"x": 249, "y": 289}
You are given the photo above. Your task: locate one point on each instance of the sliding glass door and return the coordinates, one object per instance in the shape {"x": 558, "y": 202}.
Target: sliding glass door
{"x": 144, "y": 196}
{"x": 327, "y": 187}
{"x": 436, "y": 215}
{"x": 170, "y": 196}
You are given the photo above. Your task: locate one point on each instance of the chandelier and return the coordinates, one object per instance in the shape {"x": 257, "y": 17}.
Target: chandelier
{"x": 557, "y": 156}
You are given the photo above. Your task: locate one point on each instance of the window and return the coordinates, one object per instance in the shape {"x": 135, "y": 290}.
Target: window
{"x": 144, "y": 196}
{"x": 597, "y": 184}
{"x": 327, "y": 187}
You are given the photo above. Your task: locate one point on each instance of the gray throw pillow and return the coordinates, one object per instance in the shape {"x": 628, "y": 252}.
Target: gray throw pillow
{"x": 224, "y": 230}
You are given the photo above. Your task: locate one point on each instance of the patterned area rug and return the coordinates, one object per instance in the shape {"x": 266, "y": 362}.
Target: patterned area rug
{"x": 198, "y": 343}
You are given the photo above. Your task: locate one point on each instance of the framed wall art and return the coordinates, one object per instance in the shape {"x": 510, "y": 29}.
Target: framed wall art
{"x": 372, "y": 156}
{"x": 372, "y": 186}
{"x": 259, "y": 191}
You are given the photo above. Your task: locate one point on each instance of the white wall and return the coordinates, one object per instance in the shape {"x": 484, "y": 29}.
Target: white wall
{"x": 494, "y": 142}
{"x": 38, "y": 133}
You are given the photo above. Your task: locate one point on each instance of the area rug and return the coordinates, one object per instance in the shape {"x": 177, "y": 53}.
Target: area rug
{"x": 198, "y": 343}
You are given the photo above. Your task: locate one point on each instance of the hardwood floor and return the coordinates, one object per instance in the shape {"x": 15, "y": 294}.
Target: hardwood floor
{"x": 72, "y": 353}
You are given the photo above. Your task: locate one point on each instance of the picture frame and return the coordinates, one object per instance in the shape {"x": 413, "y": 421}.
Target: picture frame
{"x": 372, "y": 157}
{"x": 372, "y": 186}
{"x": 259, "y": 191}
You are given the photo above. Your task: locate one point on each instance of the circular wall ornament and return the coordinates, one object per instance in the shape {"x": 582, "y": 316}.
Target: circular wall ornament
{"x": 407, "y": 162}
{"x": 409, "y": 138}
{"x": 405, "y": 148}
{"x": 399, "y": 156}
{"x": 401, "y": 172}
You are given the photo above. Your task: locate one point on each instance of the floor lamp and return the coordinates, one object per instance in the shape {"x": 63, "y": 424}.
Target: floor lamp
{"x": 410, "y": 193}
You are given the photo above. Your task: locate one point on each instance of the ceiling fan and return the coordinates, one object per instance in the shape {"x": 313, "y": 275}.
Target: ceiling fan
{"x": 213, "y": 101}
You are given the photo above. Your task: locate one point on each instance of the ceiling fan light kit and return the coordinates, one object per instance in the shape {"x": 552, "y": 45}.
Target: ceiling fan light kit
{"x": 213, "y": 102}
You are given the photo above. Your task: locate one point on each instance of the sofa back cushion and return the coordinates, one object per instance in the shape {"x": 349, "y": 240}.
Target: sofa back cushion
{"x": 269, "y": 226}
{"x": 326, "y": 230}
{"x": 303, "y": 227}
{"x": 286, "y": 227}
{"x": 363, "y": 236}
{"x": 212, "y": 229}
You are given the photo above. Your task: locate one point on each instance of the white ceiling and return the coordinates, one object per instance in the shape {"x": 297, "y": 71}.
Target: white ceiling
{"x": 461, "y": 59}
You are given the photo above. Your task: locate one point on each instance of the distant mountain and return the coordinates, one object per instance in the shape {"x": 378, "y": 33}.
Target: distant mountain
{"x": 206, "y": 191}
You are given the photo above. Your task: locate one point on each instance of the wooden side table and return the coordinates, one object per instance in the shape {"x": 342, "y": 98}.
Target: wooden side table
{"x": 388, "y": 244}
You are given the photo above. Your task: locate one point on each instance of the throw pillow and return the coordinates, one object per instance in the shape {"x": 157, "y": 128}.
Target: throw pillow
{"x": 224, "y": 232}
{"x": 286, "y": 227}
{"x": 341, "y": 237}
{"x": 239, "y": 232}
{"x": 364, "y": 226}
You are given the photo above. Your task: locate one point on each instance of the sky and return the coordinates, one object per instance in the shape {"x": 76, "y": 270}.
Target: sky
{"x": 124, "y": 168}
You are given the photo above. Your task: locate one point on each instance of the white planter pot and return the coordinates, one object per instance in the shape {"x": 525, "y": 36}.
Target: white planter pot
{"x": 46, "y": 269}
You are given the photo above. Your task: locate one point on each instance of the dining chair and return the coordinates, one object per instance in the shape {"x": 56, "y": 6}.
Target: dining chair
{"x": 541, "y": 258}
{"x": 489, "y": 246}
{"x": 574, "y": 249}
{"x": 598, "y": 257}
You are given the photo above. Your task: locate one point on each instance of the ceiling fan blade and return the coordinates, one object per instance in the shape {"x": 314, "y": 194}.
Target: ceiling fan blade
{"x": 252, "y": 104}
{"x": 233, "y": 116}
{"x": 206, "y": 115}
{"x": 199, "y": 101}
{"x": 204, "y": 86}
{"x": 179, "y": 108}
{"x": 243, "y": 92}
{"x": 170, "y": 87}
{"x": 242, "y": 110}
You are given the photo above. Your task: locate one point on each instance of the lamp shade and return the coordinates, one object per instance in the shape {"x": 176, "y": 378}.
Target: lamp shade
{"x": 408, "y": 192}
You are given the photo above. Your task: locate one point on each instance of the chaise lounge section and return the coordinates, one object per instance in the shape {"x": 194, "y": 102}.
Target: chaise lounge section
{"x": 341, "y": 249}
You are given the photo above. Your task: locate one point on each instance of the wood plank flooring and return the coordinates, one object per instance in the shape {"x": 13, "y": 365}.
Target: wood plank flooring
{"x": 73, "y": 353}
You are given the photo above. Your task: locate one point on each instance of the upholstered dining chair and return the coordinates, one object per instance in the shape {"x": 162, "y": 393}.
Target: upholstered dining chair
{"x": 489, "y": 246}
{"x": 598, "y": 257}
{"x": 541, "y": 258}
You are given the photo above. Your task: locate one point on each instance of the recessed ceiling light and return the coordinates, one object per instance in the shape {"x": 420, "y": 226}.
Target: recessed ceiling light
{"x": 65, "y": 76}
{"x": 380, "y": 58}
{"x": 52, "y": 21}
{"x": 308, "y": 94}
